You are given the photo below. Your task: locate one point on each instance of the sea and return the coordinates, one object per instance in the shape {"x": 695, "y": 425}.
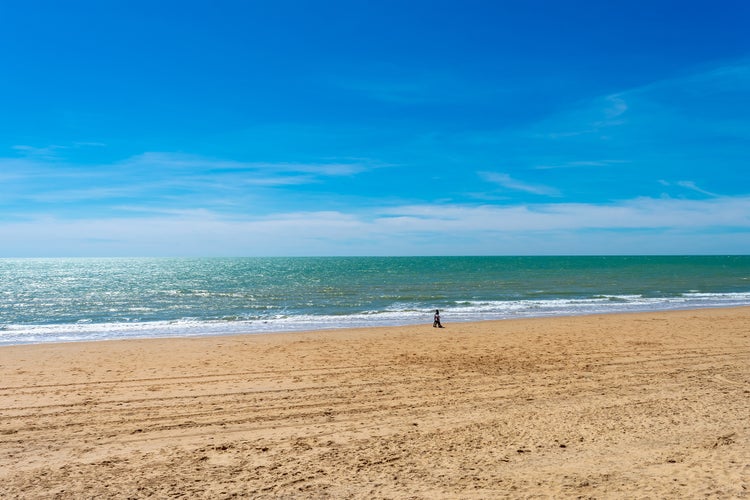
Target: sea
{"x": 83, "y": 299}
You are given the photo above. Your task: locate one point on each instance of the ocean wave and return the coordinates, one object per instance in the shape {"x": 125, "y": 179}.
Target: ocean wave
{"x": 395, "y": 314}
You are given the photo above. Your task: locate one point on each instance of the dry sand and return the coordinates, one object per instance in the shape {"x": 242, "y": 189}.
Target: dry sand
{"x": 653, "y": 405}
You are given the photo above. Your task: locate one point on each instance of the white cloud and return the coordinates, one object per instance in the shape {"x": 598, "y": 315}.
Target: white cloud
{"x": 589, "y": 118}
{"x": 581, "y": 164}
{"x": 642, "y": 213}
{"x": 685, "y": 119}
{"x": 643, "y": 225}
{"x": 616, "y": 107}
{"x": 207, "y": 164}
{"x": 692, "y": 186}
{"x": 509, "y": 182}
{"x": 157, "y": 176}
{"x": 51, "y": 152}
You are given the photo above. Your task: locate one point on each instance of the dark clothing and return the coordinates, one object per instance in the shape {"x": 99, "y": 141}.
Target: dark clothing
{"x": 436, "y": 320}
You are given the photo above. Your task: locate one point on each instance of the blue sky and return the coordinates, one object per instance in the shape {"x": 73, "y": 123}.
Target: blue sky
{"x": 167, "y": 128}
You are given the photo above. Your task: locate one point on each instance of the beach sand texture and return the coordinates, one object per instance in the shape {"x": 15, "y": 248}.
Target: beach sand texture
{"x": 650, "y": 405}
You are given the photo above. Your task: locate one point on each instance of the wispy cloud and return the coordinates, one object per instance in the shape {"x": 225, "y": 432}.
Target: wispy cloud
{"x": 692, "y": 186}
{"x": 91, "y": 194}
{"x": 637, "y": 213}
{"x": 51, "y": 152}
{"x": 194, "y": 163}
{"x": 619, "y": 145}
{"x": 187, "y": 161}
{"x": 689, "y": 185}
{"x": 732, "y": 76}
{"x": 508, "y": 182}
{"x": 157, "y": 177}
{"x": 616, "y": 107}
{"x": 581, "y": 164}
{"x": 642, "y": 225}
{"x": 591, "y": 118}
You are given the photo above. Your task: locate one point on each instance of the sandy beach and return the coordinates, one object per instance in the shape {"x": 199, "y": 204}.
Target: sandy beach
{"x": 648, "y": 405}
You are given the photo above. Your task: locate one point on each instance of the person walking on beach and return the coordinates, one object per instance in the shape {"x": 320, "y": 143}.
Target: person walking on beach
{"x": 436, "y": 320}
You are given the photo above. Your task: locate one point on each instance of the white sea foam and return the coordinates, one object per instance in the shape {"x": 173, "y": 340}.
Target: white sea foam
{"x": 396, "y": 314}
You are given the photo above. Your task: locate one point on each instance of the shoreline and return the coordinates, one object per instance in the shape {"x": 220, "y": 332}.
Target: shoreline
{"x": 623, "y": 404}
{"x": 428, "y": 320}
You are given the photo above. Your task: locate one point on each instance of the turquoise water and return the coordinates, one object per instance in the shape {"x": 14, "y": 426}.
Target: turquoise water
{"x": 54, "y": 300}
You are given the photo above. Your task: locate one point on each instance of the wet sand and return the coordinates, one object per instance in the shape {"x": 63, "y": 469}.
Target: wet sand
{"x": 652, "y": 405}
